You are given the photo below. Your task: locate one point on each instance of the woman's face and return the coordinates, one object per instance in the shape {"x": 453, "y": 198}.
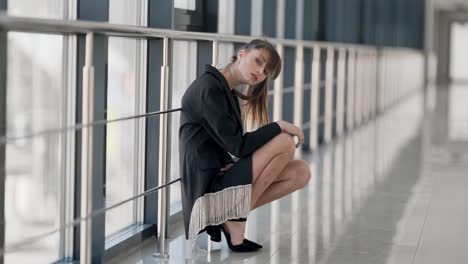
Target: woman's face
{"x": 253, "y": 66}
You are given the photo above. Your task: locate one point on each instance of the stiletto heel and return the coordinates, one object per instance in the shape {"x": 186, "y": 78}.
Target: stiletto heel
{"x": 209, "y": 246}
{"x": 244, "y": 247}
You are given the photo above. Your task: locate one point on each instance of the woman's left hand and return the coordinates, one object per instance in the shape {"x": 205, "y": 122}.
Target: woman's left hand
{"x": 293, "y": 130}
{"x": 225, "y": 168}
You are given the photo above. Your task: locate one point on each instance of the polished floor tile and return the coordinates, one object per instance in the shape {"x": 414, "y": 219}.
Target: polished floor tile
{"x": 391, "y": 191}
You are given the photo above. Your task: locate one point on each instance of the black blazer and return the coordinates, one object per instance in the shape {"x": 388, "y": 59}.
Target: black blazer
{"x": 210, "y": 129}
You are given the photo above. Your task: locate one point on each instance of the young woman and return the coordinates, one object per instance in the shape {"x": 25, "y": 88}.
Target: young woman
{"x": 218, "y": 192}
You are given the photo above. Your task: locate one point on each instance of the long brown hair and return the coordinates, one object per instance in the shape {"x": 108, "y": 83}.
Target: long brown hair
{"x": 255, "y": 108}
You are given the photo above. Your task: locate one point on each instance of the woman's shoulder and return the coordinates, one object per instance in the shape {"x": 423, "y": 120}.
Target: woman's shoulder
{"x": 206, "y": 79}
{"x": 205, "y": 84}
{"x": 210, "y": 78}
{"x": 200, "y": 88}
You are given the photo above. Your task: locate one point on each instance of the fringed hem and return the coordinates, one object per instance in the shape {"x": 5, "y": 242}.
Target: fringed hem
{"x": 216, "y": 208}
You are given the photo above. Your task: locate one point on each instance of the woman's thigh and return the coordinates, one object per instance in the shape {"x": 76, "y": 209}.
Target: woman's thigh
{"x": 282, "y": 143}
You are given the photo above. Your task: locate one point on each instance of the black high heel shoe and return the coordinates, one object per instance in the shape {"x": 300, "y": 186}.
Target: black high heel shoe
{"x": 244, "y": 247}
{"x": 215, "y": 235}
{"x": 249, "y": 242}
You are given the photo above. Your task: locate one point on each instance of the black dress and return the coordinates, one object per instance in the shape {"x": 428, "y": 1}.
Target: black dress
{"x": 210, "y": 130}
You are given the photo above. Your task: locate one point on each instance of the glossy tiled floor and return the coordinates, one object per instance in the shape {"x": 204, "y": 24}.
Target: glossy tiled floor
{"x": 392, "y": 191}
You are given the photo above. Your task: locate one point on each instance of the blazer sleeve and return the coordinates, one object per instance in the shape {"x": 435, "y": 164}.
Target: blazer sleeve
{"x": 223, "y": 127}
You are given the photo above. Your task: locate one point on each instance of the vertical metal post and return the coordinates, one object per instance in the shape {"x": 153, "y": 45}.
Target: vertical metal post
{"x": 340, "y": 91}
{"x": 358, "y": 88}
{"x": 388, "y": 85}
{"x": 350, "y": 82}
{"x": 314, "y": 95}
{"x": 373, "y": 66}
{"x": 375, "y": 80}
{"x": 398, "y": 77}
{"x": 215, "y": 54}
{"x": 68, "y": 141}
{"x": 278, "y": 90}
{"x": 365, "y": 86}
{"x": 3, "y": 108}
{"x": 160, "y": 15}
{"x": 393, "y": 76}
{"x": 162, "y": 203}
{"x": 299, "y": 86}
{"x": 371, "y": 82}
{"x": 382, "y": 79}
{"x": 87, "y": 153}
{"x": 388, "y": 80}
{"x": 140, "y": 108}
{"x": 329, "y": 94}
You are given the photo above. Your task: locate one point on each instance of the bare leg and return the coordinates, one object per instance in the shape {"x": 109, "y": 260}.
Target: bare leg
{"x": 237, "y": 229}
{"x": 269, "y": 162}
{"x": 294, "y": 176}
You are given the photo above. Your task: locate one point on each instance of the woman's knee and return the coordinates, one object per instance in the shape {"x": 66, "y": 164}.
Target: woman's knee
{"x": 303, "y": 174}
{"x": 285, "y": 144}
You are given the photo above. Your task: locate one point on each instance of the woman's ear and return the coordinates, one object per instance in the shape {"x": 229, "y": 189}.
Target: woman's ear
{"x": 241, "y": 53}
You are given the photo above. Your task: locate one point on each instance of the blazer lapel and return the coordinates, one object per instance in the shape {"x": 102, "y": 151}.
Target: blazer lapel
{"x": 227, "y": 92}
{"x": 235, "y": 105}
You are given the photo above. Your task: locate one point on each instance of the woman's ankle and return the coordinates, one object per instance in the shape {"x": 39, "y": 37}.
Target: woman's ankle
{"x": 236, "y": 231}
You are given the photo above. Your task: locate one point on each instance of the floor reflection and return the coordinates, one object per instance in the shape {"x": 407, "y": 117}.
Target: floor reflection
{"x": 354, "y": 209}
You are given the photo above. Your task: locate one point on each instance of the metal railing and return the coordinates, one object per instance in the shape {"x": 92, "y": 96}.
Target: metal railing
{"x": 361, "y": 92}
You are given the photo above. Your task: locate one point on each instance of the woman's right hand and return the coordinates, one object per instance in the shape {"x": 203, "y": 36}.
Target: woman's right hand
{"x": 292, "y": 130}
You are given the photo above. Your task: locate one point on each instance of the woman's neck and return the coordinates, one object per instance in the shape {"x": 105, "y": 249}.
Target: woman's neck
{"x": 231, "y": 77}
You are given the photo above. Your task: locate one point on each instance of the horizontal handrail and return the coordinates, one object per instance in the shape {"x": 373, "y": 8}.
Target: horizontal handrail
{"x": 6, "y": 139}
{"x": 58, "y": 26}
{"x": 19, "y": 245}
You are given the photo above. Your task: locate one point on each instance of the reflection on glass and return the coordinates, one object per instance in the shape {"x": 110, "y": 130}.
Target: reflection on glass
{"x": 121, "y": 141}
{"x": 33, "y": 166}
{"x": 275, "y": 231}
{"x": 326, "y": 200}
{"x": 348, "y": 177}
{"x": 338, "y": 184}
{"x": 356, "y": 172}
{"x": 295, "y": 227}
{"x": 312, "y": 213}
{"x": 372, "y": 155}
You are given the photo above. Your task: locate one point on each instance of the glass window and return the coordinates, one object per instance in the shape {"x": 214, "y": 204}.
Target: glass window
{"x": 34, "y": 8}
{"x": 185, "y": 4}
{"x": 122, "y": 178}
{"x": 33, "y": 165}
{"x": 120, "y": 145}
{"x": 458, "y": 52}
